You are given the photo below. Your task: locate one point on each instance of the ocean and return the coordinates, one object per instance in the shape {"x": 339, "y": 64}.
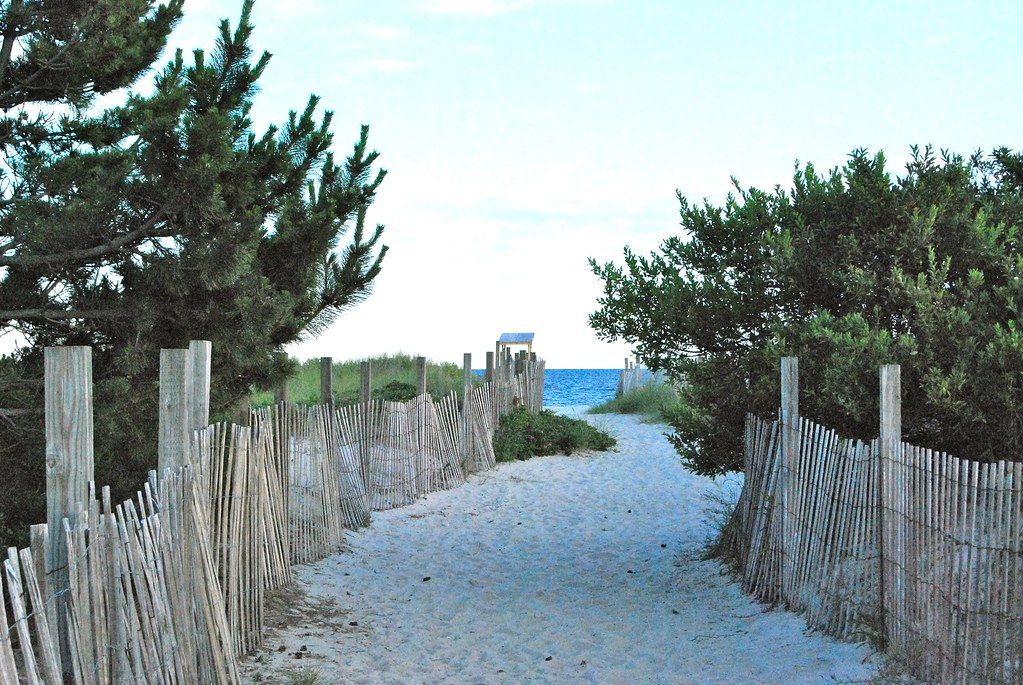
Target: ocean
{"x": 566, "y": 387}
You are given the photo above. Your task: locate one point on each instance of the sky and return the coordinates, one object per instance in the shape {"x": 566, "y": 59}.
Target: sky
{"x": 523, "y": 137}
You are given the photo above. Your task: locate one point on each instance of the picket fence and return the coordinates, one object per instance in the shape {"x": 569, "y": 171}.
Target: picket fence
{"x": 169, "y": 587}
{"x": 634, "y": 376}
{"x": 916, "y": 551}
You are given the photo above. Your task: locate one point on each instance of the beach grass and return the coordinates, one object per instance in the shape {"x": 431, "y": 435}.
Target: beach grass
{"x": 394, "y": 378}
{"x": 522, "y": 435}
{"x": 655, "y": 403}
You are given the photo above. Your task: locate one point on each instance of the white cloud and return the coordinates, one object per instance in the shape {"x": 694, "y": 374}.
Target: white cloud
{"x": 384, "y": 64}
{"x": 482, "y": 8}
{"x": 384, "y": 32}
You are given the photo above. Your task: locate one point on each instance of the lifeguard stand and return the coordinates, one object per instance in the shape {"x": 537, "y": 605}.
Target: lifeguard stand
{"x": 509, "y": 340}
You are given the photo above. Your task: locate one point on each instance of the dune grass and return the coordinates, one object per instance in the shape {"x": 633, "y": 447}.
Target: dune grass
{"x": 654, "y": 402}
{"x": 394, "y": 378}
{"x": 522, "y": 435}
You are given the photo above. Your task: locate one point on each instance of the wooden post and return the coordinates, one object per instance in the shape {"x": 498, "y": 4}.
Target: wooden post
{"x": 366, "y": 381}
{"x": 490, "y": 368}
{"x": 281, "y": 392}
{"x": 467, "y": 404}
{"x": 326, "y": 380}
{"x": 200, "y": 353}
{"x": 175, "y": 383}
{"x": 790, "y": 438}
{"x": 889, "y": 447}
{"x": 366, "y": 437}
{"x": 420, "y": 375}
{"x": 70, "y": 463}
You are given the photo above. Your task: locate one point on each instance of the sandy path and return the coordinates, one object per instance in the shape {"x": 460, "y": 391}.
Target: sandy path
{"x": 555, "y": 570}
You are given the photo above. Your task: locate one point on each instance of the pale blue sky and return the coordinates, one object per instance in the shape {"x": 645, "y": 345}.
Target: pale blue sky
{"x": 523, "y": 137}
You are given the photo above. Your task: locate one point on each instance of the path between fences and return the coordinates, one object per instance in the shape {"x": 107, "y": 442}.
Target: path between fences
{"x": 558, "y": 569}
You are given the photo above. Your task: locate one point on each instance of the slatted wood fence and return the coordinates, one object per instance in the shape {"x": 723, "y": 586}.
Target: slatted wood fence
{"x": 634, "y": 376}
{"x": 917, "y": 551}
{"x": 169, "y": 587}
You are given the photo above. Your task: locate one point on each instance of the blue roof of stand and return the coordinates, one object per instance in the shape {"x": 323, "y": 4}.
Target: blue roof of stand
{"x": 516, "y": 338}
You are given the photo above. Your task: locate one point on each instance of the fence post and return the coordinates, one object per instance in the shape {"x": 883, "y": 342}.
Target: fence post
{"x": 365, "y": 396}
{"x": 490, "y": 367}
{"x": 420, "y": 375}
{"x": 281, "y": 392}
{"x": 175, "y": 382}
{"x": 365, "y": 381}
{"x": 467, "y": 403}
{"x": 70, "y": 464}
{"x": 889, "y": 446}
{"x": 200, "y": 352}
{"x": 326, "y": 380}
{"x": 790, "y": 438}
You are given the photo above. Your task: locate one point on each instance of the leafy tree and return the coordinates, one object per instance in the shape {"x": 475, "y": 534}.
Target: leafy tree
{"x": 848, "y": 270}
{"x": 162, "y": 219}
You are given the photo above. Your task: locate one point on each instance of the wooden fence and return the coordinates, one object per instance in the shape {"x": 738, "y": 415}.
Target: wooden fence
{"x": 917, "y": 551}
{"x": 634, "y": 376}
{"x": 169, "y": 587}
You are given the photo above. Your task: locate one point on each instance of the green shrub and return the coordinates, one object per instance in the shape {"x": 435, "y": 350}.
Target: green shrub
{"x": 396, "y": 391}
{"x": 394, "y": 379}
{"x": 654, "y": 402}
{"x": 522, "y": 435}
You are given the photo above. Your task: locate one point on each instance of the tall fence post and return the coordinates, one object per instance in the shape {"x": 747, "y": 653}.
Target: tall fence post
{"x": 200, "y": 353}
{"x": 889, "y": 445}
{"x": 490, "y": 368}
{"x": 420, "y": 375}
{"x": 281, "y": 392}
{"x": 365, "y": 396}
{"x": 175, "y": 381}
{"x": 365, "y": 381}
{"x": 326, "y": 380}
{"x": 70, "y": 464}
{"x": 790, "y": 438}
{"x": 467, "y": 403}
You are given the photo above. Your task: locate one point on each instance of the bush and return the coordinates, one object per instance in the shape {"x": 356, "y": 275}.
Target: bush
{"x": 396, "y": 391}
{"x": 654, "y": 402}
{"x": 849, "y": 270}
{"x": 522, "y": 435}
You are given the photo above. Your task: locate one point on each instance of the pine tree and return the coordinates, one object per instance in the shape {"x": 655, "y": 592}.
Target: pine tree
{"x": 159, "y": 220}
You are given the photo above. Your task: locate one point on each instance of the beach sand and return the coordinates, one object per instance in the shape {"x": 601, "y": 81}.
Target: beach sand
{"x": 565, "y": 569}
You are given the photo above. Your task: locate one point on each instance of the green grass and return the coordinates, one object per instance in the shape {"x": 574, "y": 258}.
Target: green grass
{"x": 394, "y": 378}
{"x": 654, "y": 402}
{"x": 522, "y": 435}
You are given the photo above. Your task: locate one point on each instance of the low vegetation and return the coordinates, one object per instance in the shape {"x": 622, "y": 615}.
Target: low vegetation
{"x": 394, "y": 379}
{"x": 655, "y": 403}
{"x": 523, "y": 435}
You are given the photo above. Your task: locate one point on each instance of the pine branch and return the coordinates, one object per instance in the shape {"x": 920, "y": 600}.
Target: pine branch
{"x": 10, "y": 35}
{"x": 60, "y": 314}
{"x": 117, "y": 244}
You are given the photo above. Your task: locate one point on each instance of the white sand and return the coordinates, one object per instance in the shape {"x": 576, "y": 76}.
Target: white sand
{"x": 582, "y": 569}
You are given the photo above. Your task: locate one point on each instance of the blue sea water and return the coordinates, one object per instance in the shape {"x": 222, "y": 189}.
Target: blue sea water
{"x": 565, "y": 387}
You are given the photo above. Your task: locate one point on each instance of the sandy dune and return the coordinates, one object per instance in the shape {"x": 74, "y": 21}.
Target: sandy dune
{"x": 582, "y": 569}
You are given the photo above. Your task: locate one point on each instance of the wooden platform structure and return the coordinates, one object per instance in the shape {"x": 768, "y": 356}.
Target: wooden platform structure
{"x": 509, "y": 340}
